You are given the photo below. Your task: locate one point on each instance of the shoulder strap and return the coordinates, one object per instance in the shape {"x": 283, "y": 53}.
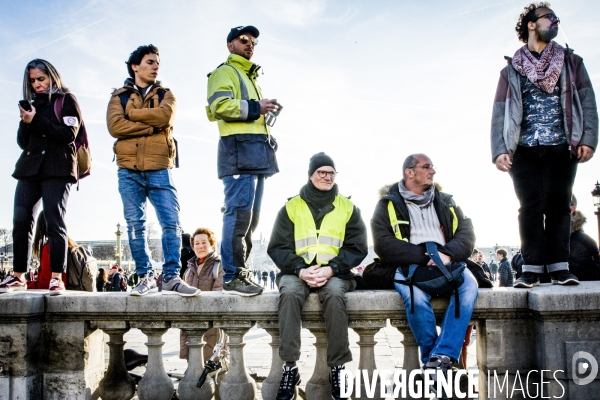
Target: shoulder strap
{"x": 124, "y": 97}
{"x": 216, "y": 270}
{"x": 58, "y": 106}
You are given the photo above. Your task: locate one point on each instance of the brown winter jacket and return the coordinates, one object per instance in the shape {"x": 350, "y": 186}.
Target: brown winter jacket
{"x": 144, "y": 130}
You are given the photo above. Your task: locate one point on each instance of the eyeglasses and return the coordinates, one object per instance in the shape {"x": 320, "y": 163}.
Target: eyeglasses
{"x": 323, "y": 174}
{"x": 551, "y": 16}
{"x": 426, "y": 167}
{"x": 245, "y": 39}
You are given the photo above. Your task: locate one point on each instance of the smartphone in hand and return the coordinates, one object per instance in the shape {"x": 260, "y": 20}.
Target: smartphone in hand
{"x": 25, "y": 105}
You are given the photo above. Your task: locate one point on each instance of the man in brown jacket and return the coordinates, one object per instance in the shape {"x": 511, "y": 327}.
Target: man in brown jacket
{"x": 140, "y": 116}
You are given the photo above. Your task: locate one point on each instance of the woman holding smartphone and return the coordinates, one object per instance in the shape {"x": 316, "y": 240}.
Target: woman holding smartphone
{"x": 45, "y": 170}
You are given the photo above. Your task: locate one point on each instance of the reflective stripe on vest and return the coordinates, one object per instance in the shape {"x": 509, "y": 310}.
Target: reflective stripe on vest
{"x": 323, "y": 243}
{"x": 454, "y": 220}
{"x": 395, "y": 223}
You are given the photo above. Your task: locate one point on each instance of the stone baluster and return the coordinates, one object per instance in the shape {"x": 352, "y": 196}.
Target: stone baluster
{"x": 366, "y": 331}
{"x": 187, "y": 389}
{"x": 156, "y": 384}
{"x": 271, "y": 385}
{"x": 237, "y": 384}
{"x": 318, "y": 386}
{"x": 411, "y": 349}
{"x": 117, "y": 384}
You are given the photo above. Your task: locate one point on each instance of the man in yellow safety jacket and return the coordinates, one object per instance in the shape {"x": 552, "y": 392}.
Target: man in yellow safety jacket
{"x": 317, "y": 240}
{"x": 246, "y": 155}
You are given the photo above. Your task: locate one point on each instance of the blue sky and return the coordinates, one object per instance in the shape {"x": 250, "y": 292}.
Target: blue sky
{"x": 366, "y": 82}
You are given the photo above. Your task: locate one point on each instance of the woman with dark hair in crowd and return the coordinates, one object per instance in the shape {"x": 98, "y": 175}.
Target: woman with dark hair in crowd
{"x": 102, "y": 282}
{"x": 45, "y": 170}
{"x": 204, "y": 272}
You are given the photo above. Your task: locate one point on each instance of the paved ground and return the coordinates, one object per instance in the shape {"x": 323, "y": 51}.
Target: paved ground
{"x": 388, "y": 352}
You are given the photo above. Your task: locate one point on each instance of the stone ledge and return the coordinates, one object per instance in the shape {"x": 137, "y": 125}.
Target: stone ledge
{"x": 221, "y": 307}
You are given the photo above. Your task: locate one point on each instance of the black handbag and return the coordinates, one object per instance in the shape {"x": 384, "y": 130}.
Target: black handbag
{"x": 437, "y": 280}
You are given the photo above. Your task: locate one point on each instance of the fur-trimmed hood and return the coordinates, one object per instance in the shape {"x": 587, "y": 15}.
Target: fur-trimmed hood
{"x": 577, "y": 221}
{"x": 385, "y": 189}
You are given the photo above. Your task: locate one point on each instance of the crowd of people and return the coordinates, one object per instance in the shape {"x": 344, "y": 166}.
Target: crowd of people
{"x": 544, "y": 123}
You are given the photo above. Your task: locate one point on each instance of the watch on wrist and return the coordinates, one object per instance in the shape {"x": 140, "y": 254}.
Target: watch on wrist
{"x": 335, "y": 269}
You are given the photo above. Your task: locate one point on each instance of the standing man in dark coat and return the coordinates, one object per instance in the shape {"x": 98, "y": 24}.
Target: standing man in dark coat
{"x": 544, "y": 123}
{"x": 317, "y": 241}
{"x": 504, "y": 270}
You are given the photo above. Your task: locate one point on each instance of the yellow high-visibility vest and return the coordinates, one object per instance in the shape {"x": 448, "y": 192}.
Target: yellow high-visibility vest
{"x": 395, "y": 222}
{"x": 323, "y": 243}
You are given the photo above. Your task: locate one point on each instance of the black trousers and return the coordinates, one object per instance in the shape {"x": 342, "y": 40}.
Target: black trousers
{"x": 53, "y": 193}
{"x": 543, "y": 178}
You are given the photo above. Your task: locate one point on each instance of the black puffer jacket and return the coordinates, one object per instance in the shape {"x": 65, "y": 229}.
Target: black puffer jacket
{"x": 584, "y": 261}
{"x": 47, "y": 143}
{"x": 459, "y": 245}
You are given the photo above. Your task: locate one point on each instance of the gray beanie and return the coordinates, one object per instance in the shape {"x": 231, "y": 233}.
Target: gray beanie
{"x": 319, "y": 160}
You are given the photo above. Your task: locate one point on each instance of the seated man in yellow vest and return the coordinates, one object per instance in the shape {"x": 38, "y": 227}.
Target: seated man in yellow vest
{"x": 317, "y": 240}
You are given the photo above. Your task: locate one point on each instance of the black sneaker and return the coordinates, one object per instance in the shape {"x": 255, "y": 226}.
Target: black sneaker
{"x": 289, "y": 381}
{"x": 563, "y": 277}
{"x": 527, "y": 280}
{"x": 242, "y": 287}
{"x": 336, "y": 383}
{"x": 247, "y": 276}
{"x": 441, "y": 363}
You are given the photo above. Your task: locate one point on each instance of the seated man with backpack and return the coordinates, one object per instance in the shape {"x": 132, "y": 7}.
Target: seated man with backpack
{"x": 420, "y": 231}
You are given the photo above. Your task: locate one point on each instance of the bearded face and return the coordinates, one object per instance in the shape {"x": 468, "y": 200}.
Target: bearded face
{"x": 545, "y": 35}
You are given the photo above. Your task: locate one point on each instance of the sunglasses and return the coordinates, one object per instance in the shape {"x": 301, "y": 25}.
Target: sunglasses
{"x": 551, "y": 16}
{"x": 245, "y": 39}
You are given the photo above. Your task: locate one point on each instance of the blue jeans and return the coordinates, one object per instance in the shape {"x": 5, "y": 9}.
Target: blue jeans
{"x": 422, "y": 321}
{"x": 243, "y": 198}
{"x": 158, "y": 186}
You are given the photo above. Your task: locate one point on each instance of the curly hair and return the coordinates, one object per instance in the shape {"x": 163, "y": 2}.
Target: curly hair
{"x": 136, "y": 57}
{"x": 527, "y": 16}
{"x": 207, "y": 232}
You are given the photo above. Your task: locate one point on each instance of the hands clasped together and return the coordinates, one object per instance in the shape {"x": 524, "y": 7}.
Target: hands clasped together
{"x": 316, "y": 276}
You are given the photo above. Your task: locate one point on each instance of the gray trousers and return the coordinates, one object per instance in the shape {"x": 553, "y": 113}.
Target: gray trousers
{"x": 292, "y": 294}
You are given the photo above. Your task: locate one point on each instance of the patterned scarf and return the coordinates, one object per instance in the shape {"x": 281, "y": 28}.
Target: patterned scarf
{"x": 422, "y": 200}
{"x": 543, "y": 72}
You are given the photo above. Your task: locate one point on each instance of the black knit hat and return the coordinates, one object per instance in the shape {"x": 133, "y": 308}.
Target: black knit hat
{"x": 238, "y": 30}
{"x": 319, "y": 160}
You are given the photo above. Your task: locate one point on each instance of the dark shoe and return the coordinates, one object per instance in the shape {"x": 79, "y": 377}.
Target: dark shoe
{"x": 247, "y": 276}
{"x": 289, "y": 381}
{"x": 440, "y": 363}
{"x": 133, "y": 359}
{"x": 336, "y": 383}
{"x": 527, "y": 280}
{"x": 563, "y": 277}
{"x": 242, "y": 287}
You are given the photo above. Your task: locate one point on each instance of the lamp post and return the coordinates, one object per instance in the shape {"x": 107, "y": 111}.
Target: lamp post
{"x": 119, "y": 248}
{"x": 596, "y": 195}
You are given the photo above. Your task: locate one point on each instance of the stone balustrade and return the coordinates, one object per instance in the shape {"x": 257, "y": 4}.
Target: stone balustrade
{"x": 53, "y": 347}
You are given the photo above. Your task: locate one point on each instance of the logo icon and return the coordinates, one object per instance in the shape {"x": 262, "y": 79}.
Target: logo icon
{"x": 584, "y": 367}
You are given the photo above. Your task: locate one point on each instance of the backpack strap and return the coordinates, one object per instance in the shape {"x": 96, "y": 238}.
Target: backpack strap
{"x": 433, "y": 253}
{"x": 216, "y": 270}
{"x": 58, "y": 106}
{"x": 124, "y": 97}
